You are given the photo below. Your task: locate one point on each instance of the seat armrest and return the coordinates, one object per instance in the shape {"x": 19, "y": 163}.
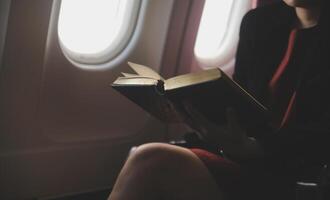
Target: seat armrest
{"x": 318, "y": 190}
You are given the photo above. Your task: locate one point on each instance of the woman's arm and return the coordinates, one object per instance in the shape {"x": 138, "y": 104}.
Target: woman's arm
{"x": 231, "y": 137}
{"x": 309, "y": 134}
{"x": 245, "y": 52}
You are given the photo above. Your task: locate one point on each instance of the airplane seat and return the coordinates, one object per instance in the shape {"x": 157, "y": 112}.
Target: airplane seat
{"x": 319, "y": 189}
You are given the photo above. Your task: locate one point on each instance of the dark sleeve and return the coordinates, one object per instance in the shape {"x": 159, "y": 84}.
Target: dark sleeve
{"x": 244, "y": 55}
{"x": 309, "y": 137}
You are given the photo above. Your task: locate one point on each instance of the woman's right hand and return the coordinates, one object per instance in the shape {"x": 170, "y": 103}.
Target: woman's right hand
{"x": 195, "y": 120}
{"x": 231, "y": 137}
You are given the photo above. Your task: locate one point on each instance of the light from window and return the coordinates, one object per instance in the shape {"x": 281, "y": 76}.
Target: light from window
{"x": 92, "y": 31}
{"x": 218, "y": 31}
{"x": 213, "y": 25}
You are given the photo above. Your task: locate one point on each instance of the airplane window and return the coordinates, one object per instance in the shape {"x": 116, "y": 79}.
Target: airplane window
{"x": 94, "y": 32}
{"x": 218, "y": 31}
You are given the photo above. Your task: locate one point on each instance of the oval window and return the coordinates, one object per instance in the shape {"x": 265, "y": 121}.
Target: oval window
{"x": 218, "y": 31}
{"x": 95, "y": 31}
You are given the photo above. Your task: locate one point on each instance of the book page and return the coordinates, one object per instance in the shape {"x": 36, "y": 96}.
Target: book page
{"x": 138, "y": 81}
{"x": 192, "y": 78}
{"x": 128, "y": 75}
{"x": 145, "y": 71}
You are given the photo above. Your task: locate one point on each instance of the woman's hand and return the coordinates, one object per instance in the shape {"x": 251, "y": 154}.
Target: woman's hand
{"x": 231, "y": 137}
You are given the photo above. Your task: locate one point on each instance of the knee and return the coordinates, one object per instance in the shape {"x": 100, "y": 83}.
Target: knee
{"x": 158, "y": 155}
{"x": 151, "y": 152}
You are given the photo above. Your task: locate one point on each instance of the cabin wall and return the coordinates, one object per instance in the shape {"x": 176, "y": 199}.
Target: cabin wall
{"x": 63, "y": 129}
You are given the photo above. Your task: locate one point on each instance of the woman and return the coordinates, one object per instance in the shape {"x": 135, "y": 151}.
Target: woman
{"x": 282, "y": 60}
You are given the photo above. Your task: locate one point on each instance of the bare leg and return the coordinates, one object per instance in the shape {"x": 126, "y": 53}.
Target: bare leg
{"x": 161, "y": 171}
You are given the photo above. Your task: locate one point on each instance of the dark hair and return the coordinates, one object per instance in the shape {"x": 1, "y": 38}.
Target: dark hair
{"x": 324, "y": 18}
{"x": 324, "y": 28}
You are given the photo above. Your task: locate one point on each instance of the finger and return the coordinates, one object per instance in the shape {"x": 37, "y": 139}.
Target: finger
{"x": 192, "y": 118}
{"x": 232, "y": 121}
{"x": 201, "y": 121}
{"x": 212, "y": 130}
{"x": 199, "y": 117}
{"x": 193, "y": 124}
{"x": 195, "y": 114}
{"x": 188, "y": 108}
{"x": 231, "y": 118}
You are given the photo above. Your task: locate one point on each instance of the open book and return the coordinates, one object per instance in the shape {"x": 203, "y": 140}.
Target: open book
{"x": 209, "y": 92}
